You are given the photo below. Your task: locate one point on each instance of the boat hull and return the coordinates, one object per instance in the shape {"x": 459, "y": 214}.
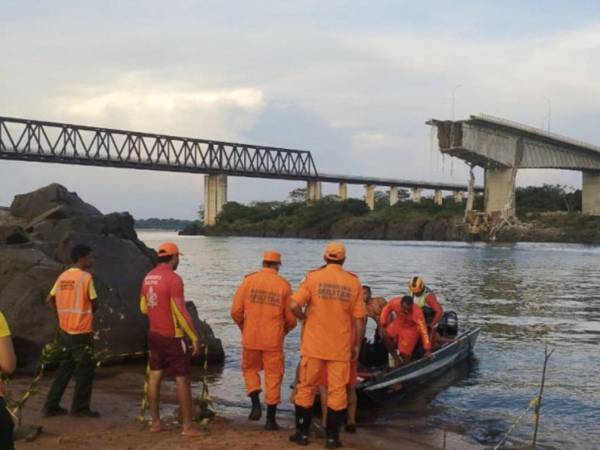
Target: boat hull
{"x": 383, "y": 387}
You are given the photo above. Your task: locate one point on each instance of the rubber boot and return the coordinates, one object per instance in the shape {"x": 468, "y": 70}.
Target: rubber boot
{"x": 334, "y": 421}
{"x": 256, "y": 411}
{"x": 303, "y": 418}
{"x": 271, "y": 424}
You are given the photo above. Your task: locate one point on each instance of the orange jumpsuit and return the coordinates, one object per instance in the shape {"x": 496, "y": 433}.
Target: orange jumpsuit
{"x": 261, "y": 310}
{"x": 333, "y": 298}
{"x": 406, "y": 328}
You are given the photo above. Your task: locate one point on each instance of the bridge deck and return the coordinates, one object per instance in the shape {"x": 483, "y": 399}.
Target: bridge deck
{"x": 488, "y": 141}
{"x": 52, "y": 142}
{"x": 376, "y": 181}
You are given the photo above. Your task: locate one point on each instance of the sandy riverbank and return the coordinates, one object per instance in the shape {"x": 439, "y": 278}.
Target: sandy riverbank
{"x": 117, "y": 394}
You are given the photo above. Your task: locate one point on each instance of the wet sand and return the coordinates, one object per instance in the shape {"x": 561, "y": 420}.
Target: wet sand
{"x": 117, "y": 395}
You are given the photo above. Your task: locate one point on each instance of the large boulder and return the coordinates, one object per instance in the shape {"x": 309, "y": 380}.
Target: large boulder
{"x": 48, "y": 198}
{"x": 26, "y": 277}
{"x": 205, "y": 334}
{"x": 35, "y": 241}
{"x": 12, "y": 234}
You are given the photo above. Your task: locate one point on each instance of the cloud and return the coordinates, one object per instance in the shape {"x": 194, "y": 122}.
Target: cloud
{"x": 166, "y": 102}
{"x": 140, "y": 104}
{"x": 352, "y": 82}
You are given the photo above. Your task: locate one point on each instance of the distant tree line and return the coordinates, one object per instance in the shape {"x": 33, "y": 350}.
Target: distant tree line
{"x": 162, "y": 224}
{"x": 319, "y": 216}
{"x": 547, "y": 198}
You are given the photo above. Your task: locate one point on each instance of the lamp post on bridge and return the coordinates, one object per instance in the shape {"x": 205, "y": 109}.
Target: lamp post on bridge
{"x": 454, "y": 98}
{"x": 549, "y": 111}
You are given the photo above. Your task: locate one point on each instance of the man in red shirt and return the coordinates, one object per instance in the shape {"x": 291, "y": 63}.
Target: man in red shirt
{"x": 162, "y": 299}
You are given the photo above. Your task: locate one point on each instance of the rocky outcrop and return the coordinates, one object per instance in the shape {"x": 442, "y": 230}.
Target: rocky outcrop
{"x": 13, "y": 234}
{"x": 53, "y": 200}
{"x": 36, "y": 236}
{"x": 214, "y": 349}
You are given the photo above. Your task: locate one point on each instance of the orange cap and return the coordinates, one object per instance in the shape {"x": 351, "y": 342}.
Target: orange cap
{"x": 335, "y": 251}
{"x": 168, "y": 249}
{"x": 272, "y": 256}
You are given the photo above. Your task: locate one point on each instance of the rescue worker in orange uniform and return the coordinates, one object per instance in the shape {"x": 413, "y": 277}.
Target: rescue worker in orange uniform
{"x": 351, "y": 389}
{"x": 407, "y": 326}
{"x": 73, "y": 298}
{"x": 261, "y": 309}
{"x": 332, "y": 302}
{"x": 171, "y": 327}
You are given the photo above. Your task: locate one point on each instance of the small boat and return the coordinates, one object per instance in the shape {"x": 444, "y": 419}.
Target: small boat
{"x": 384, "y": 385}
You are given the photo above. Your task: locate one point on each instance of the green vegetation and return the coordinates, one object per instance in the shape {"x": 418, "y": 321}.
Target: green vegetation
{"x": 331, "y": 217}
{"x": 282, "y": 217}
{"x": 162, "y": 224}
{"x": 546, "y": 198}
{"x": 546, "y": 213}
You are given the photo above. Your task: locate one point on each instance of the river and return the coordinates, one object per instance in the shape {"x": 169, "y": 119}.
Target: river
{"x": 523, "y": 296}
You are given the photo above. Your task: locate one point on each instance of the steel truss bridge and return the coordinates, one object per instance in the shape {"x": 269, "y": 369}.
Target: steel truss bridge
{"x": 32, "y": 140}
{"x": 53, "y": 142}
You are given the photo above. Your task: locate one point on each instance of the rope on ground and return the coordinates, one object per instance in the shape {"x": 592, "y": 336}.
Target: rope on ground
{"x": 533, "y": 403}
{"x": 51, "y": 354}
{"x": 204, "y": 401}
{"x": 144, "y": 403}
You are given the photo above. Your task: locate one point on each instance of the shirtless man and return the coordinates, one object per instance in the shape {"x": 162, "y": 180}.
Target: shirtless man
{"x": 374, "y": 308}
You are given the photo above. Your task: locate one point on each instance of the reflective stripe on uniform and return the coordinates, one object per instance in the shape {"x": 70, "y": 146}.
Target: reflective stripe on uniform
{"x": 73, "y": 302}
{"x": 78, "y": 297}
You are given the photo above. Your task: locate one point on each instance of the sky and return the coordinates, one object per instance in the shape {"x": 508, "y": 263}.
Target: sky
{"x": 351, "y": 81}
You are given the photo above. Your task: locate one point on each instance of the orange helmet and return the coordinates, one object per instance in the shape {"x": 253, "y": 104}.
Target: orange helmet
{"x": 416, "y": 285}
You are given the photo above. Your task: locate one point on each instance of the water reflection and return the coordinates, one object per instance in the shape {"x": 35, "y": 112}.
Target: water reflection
{"x": 522, "y": 296}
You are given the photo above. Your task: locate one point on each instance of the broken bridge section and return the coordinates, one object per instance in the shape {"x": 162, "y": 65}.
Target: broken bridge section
{"x": 501, "y": 147}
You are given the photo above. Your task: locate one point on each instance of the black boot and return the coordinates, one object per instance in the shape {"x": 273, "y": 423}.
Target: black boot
{"x": 271, "y": 424}
{"x": 303, "y": 418}
{"x": 256, "y": 411}
{"x": 334, "y": 421}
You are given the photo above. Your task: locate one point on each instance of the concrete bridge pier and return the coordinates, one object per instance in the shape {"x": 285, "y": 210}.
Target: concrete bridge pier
{"x": 458, "y": 196}
{"x": 590, "y": 193}
{"x": 499, "y": 194}
{"x": 393, "y": 195}
{"x": 370, "y": 196}
{"x": 415, "y": 194}
{"x": 438, "y": 198}
{"x": 215, "y": 196}
{"x": 313, "y": 190}
{"x": 343, "y": 191}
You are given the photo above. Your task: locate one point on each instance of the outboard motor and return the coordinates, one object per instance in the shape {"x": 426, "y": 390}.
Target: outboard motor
{"x": 448, "y": 326}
